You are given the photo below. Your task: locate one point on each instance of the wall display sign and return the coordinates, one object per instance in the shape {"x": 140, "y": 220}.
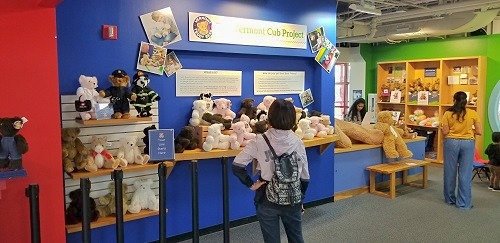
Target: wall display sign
{"x": 161, "y": 144}
{"x": 278, "y": 82}
{"x": 230, "y": 30}
{"x": 193, "y": 82}
{"x": 306, "y": 98}
{"x": 357, "y": 94}
{"x": 160, "y": 27}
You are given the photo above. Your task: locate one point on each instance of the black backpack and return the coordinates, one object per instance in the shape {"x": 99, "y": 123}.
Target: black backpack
{"x": 284, "y": 187}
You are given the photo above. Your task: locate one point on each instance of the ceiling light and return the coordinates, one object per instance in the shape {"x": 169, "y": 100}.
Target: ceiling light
{"x": 365, "y": 8}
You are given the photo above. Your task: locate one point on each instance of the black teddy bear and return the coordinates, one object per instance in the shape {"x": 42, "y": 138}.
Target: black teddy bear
{"x": 186, "y": 140}
{"x": 247, "y": 108}
{"x": 145, "y": 139}
{"x": 12, "y": 145}
{"x": 74, "y": 212}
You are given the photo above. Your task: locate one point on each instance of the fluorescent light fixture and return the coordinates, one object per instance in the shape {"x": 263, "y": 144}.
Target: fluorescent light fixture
{"x": 364, "y": 8}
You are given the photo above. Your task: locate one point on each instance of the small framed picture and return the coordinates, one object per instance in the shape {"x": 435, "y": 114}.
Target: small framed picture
{"x": 423, "y": 98}
{"x": 356, "y": 94}
{"x": 473, "y": 80}
{"x": 172, "y": 64}
{"x": 306, "y": 98}
{"x": 430, "y": 72}
{"x": 395, "y": 96}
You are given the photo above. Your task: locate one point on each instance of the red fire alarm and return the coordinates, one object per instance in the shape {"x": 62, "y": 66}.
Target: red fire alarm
{"x": 110, "y": 32}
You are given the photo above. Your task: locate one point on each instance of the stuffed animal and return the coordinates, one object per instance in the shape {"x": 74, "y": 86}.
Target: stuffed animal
{"x": 215, "y": 139}
{"x": 358, "y": 133}
{"x": 241, "y": 135}
{"x": 473, "y": 99}
{"x": 120, "y": 94}
{"x": 244, "y": 118}
{"x": 344, "y": 141}
{"x": 266, "y": 103}
{"x": 87, "y": 91}
{"x": 186, "y": 139}
{"x": 12, "y": 145}
{"x": 102, "y": 157}
{"x": 223, "y": 107}
{"x": 325, "y": 120}
{"x": 107, "y": 204}
{"x": 75, "y": 155}
{"x": 259, "y": 124}
{"x": 129, "y": 151}
{"x": 247, "y": 109}
{"x": 74, "y": 212}
{"x": 304, "y": 130}
{"x": 417, "y": 116}
{"x": 199, "y": 109}
{"x": 393, "y": 144}
{"x": 145, "y": 139}
{"x": 144, "y": 197}
{"x": 321, "y": 130}
{"x": 145, "y": 95}
{"x": 216, "y": 119}
{"x": 207, "y": 97}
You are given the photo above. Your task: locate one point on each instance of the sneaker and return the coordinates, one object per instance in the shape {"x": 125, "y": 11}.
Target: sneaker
{"x": 495, "y": 189}
{"x": 490, "y": 188}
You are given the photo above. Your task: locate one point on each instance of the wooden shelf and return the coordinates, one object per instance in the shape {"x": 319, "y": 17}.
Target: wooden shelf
{"x": 129, "y": 168}
{"x": 423, "y": 105}
{"x": 107, "y": 122}
{"x": 427, "y": 127}
{"x": 389, "y": 103}
{"x": 110, "y": 220}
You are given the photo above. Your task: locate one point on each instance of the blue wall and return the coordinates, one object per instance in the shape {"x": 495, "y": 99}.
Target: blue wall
{"x": 82, "y": 51}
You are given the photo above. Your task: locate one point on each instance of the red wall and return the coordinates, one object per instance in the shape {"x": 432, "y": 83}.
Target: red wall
{"x": 29, "y": 87}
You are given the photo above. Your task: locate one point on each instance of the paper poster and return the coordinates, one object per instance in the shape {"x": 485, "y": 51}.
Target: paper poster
{"x": 172, "y": 64}
{"x": 423, "y": 98}
{"x": 151, "y": 58}
{"x": 160, "y": 27}
{"x": 306, "y": 98}
{"x": 161, "y": 144}
{"x": 395, "y": 96}
{"x": 316, "y": 39}
{"x": 455, "y": 79}
{"x": 327, "y": 57}
{"x": 357, "y": 94}
{"x": 278, "y": 82}
{"x": 193, "y": 82}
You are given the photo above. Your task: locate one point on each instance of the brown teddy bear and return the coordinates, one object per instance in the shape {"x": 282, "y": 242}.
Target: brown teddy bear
{"x": 393, "y": 143}
{"x": 74, "y": 153}
{"x": 101, "y": 157}
{"x": 247, "y": 108}
{"x": 120, "y": 94}
{"x": 358, "y": 133}
{"x": 186, "y": 140}
{"x": 107, "y": 204}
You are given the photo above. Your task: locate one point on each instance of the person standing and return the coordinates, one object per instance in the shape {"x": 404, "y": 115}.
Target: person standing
{"x": 357, "y": 111}
{"x": 493, "y": 152}
{"x": 459, "y": 126}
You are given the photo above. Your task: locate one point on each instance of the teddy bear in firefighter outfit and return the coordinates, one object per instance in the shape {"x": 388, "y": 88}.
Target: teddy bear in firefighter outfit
{"x": 120, "y": 94}
{"x": 145, "y": 95}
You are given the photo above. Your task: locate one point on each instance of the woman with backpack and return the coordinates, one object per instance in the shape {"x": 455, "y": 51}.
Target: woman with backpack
{"x": 284, "y": 174}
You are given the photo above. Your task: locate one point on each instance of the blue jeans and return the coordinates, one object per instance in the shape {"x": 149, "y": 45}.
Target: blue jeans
{"x": 458, "y": 156}
{"x": 269, "y": 215}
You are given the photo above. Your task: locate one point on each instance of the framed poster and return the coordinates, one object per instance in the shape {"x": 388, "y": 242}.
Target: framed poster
{"x": 306, "y": 98}
{"x": 356, "y": 94}
{"x": 430, "y": 72}
{"x": 423, "y": 98}
{"x": 395, "y": 96}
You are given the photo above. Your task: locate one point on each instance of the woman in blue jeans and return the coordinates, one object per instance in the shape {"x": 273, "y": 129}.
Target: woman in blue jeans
{"x": 460, "y": 126}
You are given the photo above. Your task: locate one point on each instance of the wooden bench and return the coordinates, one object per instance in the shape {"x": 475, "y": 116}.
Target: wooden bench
{"x": 391, "y": 169}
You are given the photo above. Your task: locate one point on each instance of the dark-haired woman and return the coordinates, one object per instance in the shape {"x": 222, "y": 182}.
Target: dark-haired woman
{"x": 460, "y": 126}
{"x": 357, "y": 111}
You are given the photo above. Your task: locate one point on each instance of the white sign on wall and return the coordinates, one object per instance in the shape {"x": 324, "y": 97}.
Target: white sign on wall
{"x": 192, "y": 82}
{"x": 278, "y": 82}
{"x": 239, "y": 31}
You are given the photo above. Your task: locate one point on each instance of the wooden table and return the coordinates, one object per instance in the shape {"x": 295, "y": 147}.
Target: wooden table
{"x": 391, "y": 169}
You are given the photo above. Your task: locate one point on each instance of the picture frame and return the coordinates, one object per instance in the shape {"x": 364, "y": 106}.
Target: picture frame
{"x": 160, "y": 27}
{"x": 423, "y": 98}
{"x": 306, "y": 98}
{"x": 430, "y": 72}
{"x": 395, "y": 96}
{"x": 473, "y": 80}
{"x": 316, "y": 39}
{"x": 356, "y": 94}
{"x": 151, "y": 58}
{"x": 172, "y": 64}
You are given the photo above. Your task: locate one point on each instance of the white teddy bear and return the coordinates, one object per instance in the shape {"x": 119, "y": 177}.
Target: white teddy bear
{"x": 129, "y": 152}
{"x": 87, "y": 91}
{"x": 215, "y": 139}
{"x": 266, "y": 103}
{"x": 240, "y": 135}
{"x": 144, "y": 197}
{"x": 244, "y": 118}
{"x": 304, "y": 131}
{"x": 325, "y": 120}
{"x": 199, "y": 108}
{"x": 321, "y": 130}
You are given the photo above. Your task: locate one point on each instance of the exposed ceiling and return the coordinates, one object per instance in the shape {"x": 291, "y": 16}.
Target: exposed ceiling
{"x": 408, "y": 19}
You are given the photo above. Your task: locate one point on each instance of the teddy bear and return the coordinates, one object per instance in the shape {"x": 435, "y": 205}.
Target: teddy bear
{"x": 216, "y": 119}
{"x": 145, "y": 95}
{"x": 106, "y": 204}
{"x": 344, "y": 141}
{"x": 259, "y": 124}
{"x": 304, "y": 130}
{"x": 392, "y": 144}
{"x": 145, "y": 139}
{"x": 215, "y": 139}
{"x": 199, "y": 109}
{"x": 473, "y": 99}
{"x": 75, "y": 155}
{"x": 325, "y": 120}
{"x": 87, "y": 91}
{"x": 321, "y": 130}
{"x": 266, "y": 103}
{"x": 207, "y": 97}
{"x": 223, "y": 107}
{"x": 74, "y": 212}
{"x": 12, "y": 144}
{"x": 186, "y": 139}
{"x": 244, "y": 118}
{"x": 129, "y": 152}
{"x": 358, "y": 133}
{"x": 247, "y": 108}
{"x": 417, "y": 116}
{"x": 119, "y": 93}
{"x": 144, "y": 197}
{"x": 241, "y": 135}
{"x": 102, "y": 157}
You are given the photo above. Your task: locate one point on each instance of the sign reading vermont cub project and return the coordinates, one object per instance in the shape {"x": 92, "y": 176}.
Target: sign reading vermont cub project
{"x": 161, "y": 144}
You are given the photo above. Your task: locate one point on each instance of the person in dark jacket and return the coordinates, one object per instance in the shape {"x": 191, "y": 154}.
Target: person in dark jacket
{"x": 493, "y": 152}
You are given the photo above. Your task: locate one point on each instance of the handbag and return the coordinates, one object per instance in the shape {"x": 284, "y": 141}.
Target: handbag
{"x": 83, "y": 106}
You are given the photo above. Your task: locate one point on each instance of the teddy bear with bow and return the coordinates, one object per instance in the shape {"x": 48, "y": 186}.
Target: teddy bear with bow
{"x": 145, "y": 95}
{"x": 12, "y": 144}
{"x": 119, "y": 93}
{"x": 102, "y": 157}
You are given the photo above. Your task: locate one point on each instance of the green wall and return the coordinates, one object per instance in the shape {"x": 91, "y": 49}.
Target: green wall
{"x": 488, "y": 46}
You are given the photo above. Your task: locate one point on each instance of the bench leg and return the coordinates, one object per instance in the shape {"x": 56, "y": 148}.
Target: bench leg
{"x": 405, "y": 177}
{"x": 424, "y": 174}
{"x": 392, "y": 184}
{"x": 372, "y": 181}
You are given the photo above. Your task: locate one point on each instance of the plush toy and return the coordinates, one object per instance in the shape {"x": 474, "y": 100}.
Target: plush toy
{"x": 473, "y": 99}
{"x": 259, "y": 124}
{"x": 12, "y": 145}
{"x": 129, "y": 151}
{"x": 207, "y": 97}
{"x": 266, "y": 103}
{"x": 325, "y": 120}
{"x": 87, "y": 91}
{"x": 417, "y": 116}
{"x": 216, "y": 119}
{"x": 247, "y": 109}
{"x": 344, "y": 141}
{"x": 393, "y": 144}
{"x": 74, "y": 153}
{"x": 120, "y": 94}
{"x": 360, "y": 134}
{"x": 144, "y": 197}
{"x": 223, "y": 107}
{"x": 74, "y": 212}
{"x": 430, "y": 122}
{"x": 186, "y": 140}
{"x": 304, "y": 130}
{"x": 244, "y": 118}
{"x": 321, "y": 130}
{"x": 145, "y": 95}
{"x": 102, "y": 157}
{"x": 107, "y": 204}
{"x": 145, "y": 139}
{"x": 199, "y": 109}
{"x": 215, "y": 139}
{"x": 241, "y": 135}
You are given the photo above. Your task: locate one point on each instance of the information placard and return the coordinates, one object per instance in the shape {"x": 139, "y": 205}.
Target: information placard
{"x": 278, "y": 82}
{"x": 193, "y": 82}
{"x": 161, "y": 144}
